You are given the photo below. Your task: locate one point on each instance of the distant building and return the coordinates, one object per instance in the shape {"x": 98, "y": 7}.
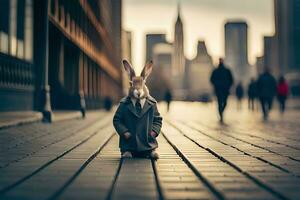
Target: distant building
{"x": 271, "y": 55}
{"x": 198, "y": 73}
{"x": 79, "y": 63}
{"x": 259, "y": 65}
{"x": 126, "y": 54}
{"x": 162, "y": 57}
{"x": 236, "y": 49}
{"x": 116, "y": 26}
{"x": 287, "y": 26}
{"x": 161, "y": 78}
{"x": 151, "y": 40}
{"x": 178, "y": 62}
{"x": 127, "y": 45}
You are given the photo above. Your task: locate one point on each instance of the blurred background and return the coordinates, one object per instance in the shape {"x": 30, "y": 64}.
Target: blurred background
{"x": 66, "y": 55}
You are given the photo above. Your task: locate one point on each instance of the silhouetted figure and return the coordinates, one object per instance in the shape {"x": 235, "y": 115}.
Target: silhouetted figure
{"x": 108, "y": 103}
{"x": 239, "y": 92}
{"x": 252, "y": 94}
{"x": 222, "y": 81}
{"x": 82, "y": 104}
{"x": 168, "y": 98}
{"x": 282, "y": 93}
{"x": 266, "y": 87}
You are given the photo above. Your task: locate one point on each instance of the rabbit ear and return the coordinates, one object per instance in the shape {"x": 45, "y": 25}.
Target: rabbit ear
{"x": 129, "y": 69}
{"x": 147, "y": 70}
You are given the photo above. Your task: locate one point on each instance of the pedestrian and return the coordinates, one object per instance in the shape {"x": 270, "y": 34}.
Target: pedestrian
{"x": 108, "y": 103}
{"x": 266, "y": 87}
{"x": 252, "y": 94}
{"x": 168, "y": 98}
{"x": 137, "y": 119}
{"x": 239, "y": 92}
{"x": 222, "y": 81}
{"x": 282, "y": 93}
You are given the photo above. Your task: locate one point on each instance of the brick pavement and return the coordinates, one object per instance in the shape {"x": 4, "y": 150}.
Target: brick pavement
{"x": 200, "y": 159}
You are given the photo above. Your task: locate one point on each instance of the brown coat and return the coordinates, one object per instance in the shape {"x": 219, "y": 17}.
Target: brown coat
{"x": 140, "y": 127}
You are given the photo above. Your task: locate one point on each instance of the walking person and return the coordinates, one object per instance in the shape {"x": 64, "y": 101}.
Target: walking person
{"x": 222, "y": 80}
{"x": 266, "y": 87}
{"x": 168, "y": 98}
{"x": 252, "y": 94}
{"x": 239, "y": 92}
{"x": 282, "y": 93}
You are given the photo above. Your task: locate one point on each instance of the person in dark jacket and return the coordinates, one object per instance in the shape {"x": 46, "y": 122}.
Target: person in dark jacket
{"x": 168, "y": 98}
{"x": 222, "y": 81}
{"x": 252, "y": 94}
{"x": 239, "y": 92}
{"x": 108, "y": 103}
{"x": 137, "y": 119}
{"x": 282, "y": 93}
{"x": 266, "y": 88}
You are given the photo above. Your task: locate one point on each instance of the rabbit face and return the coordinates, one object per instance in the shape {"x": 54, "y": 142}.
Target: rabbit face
{"x": 137, "y": 85}
{"x": 138, "y": 88}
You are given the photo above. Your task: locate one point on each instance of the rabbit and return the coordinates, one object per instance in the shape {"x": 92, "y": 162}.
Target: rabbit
{"x": 137, "y": 119}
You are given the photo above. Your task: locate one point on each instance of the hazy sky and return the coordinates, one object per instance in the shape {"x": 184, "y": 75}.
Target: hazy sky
{"x": 202, "y": 19}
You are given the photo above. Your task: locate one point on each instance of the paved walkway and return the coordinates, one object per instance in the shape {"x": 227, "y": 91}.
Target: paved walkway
{"x": 8, "y": 119}
{"x": 245, "y": 158}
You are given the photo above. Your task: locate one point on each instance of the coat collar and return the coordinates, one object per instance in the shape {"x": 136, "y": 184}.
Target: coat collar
{"x": 148, "y": 103}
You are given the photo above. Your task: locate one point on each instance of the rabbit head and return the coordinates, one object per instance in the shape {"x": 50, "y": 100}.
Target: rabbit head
{"x": 138, "y": 88}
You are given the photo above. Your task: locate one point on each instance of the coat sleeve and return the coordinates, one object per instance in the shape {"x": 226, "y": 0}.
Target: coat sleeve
{"x": 118, "y": 121}
{"x": 157, "y": 121}
{"x": 231, "y": 80}
{"x": 212, "y": 77}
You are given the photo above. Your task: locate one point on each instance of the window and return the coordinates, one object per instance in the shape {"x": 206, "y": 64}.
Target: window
{"x": 4, "y": 13}
{"x": 13, "y": 28}
{"x": 28, "y": 31}
{"x": 20, "y": 28}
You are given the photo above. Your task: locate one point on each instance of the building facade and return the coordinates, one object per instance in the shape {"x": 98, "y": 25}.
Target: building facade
{"x": 160, "y": 80}
{"x": 236, "y": 48}
{"x": 151, "y": 40}
{"x": 259, "y": 64}
{"x": 271, "y": 55}
{"x": 58, "y": 54}
{"x": 287, "y": 39}
{"x": 287, "y": 25}
{"x": 198, "y": 74}
{"x": 126, "y": 54}
{"x": 178, "y": 63}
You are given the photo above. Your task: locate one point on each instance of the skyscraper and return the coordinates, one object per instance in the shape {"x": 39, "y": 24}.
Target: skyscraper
{"x": 271, "y": 55}
{"x": 126, "y": 54}
{"x": 287, "y": 38}
{"x": 116, "y": 18}
{"x": 287, "y": 25}
{"x": 236, "y": 48}
{"x": 178, "y": 62}
{"x": 151, "y": 40}
{"x": 198, "y": 73}
{"x": 160, "y": 79}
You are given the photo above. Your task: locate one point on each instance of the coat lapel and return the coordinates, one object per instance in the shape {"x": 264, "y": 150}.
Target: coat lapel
{"x": 146, "y": 107}
{"x": 131, "y": 108}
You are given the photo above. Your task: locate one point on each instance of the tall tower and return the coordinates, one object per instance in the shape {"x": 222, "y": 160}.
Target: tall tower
{"x": 151, "y": 40}
{"x": 178, "y": 62}
{"x": 236, "y": 48}
{"x": 287, "y": 25}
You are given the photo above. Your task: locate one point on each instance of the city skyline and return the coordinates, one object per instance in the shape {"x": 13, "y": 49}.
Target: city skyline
{"x": 197, "y": 14}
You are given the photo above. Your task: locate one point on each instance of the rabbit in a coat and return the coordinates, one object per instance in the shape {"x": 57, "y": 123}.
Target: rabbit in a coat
{"x": 137, "y": 120}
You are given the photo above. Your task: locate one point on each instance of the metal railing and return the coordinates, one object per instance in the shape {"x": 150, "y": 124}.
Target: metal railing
{"x": 15, "y": 73}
